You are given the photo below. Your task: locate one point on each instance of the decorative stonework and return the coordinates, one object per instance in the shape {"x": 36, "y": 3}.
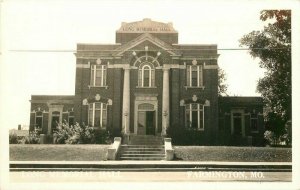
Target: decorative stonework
{"x": 98, "y": 61}
{"x": 97, "y": 97}
{"x": 194, "y": 62}
{"x": 194, "y": 98}
{"x": 146, "y": 25}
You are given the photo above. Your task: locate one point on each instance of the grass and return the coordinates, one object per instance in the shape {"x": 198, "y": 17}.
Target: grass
{"x": 25, "y": 152}
{"x": 233, "y": 154}
{"x": 48, "y": 152}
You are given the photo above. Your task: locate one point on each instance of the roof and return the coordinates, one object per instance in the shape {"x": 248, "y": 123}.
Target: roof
{"x": 146, "y": 26}
{"x": 237, "y": 100}
{"x": 52, "y": 97}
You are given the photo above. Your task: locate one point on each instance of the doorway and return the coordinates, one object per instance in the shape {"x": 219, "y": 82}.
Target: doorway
{"x": 55, "y": 121}
{"x": 237, "y": 124}
{"x": 146, "y": 123}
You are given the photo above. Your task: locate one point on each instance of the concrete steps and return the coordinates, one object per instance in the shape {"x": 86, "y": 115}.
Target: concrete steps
{"x": 142, "y": 152}
{"x": 143, "y": 147}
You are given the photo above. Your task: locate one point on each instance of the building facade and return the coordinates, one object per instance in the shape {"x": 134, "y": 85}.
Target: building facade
{"x": 144, "y": 84}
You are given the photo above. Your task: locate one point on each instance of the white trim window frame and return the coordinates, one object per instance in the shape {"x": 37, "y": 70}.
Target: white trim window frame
{"x": 98, "y": 75}
{"x": 146, "y": 68}
{"x": 97, "y": 111}
{"x": 199, "y": 108}
{"x": 191, "y": 69}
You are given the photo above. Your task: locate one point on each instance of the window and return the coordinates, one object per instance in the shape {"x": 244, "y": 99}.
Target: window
{"x": 146, "y": 75}
{"x": 39, "y": 120}
{"x": 98, "y": 75}
{"x": 195, "y": 116}
{"x": 98, "y": 114}
{"x": 254, "y": 122}
{"x": 71, "y": 118}
{"x": 194, "y": 76}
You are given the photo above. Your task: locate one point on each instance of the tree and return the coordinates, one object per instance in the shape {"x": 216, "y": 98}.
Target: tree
{"x": 272, "y": 46}
{"x": 222, "y": 86}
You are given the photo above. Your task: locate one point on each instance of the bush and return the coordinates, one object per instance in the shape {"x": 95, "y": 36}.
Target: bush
{"x": 13, "y": 138}
{"x": 32, "y": 138}
{"x": 76, "y": 134}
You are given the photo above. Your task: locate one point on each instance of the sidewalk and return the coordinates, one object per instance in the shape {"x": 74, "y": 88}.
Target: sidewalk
{"x": 148, "y": 166}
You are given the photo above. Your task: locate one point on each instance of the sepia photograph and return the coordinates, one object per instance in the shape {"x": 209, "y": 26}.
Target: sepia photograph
{"x": 150, "y": 94}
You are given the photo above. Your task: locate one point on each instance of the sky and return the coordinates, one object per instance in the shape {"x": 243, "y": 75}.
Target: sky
{"x": 57, "y": 26}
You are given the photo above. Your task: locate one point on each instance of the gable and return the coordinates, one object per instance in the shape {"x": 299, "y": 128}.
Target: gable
{"x": 145, "y": 38}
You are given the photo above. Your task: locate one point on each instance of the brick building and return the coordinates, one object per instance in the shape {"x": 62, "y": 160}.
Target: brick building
{"x": 145, "y": 83}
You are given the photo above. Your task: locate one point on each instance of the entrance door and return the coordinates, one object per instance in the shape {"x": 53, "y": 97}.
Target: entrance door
{"x": 150, "y": 120}
{"x": 237, "y": 124}
{"x": 146, "y": 123}
{"x": 55, "y": 121}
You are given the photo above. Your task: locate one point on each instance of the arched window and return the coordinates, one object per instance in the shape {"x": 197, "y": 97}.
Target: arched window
{"x": 146, "y": 75}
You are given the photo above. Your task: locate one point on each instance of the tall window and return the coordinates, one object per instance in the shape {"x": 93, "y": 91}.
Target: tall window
{"x": 39, "y": 120}
{"x": 98, "y": 75}
{"x": 195, "y": 116}
{"x": 194, "y": 76}
{"x": 98, "y": 114}
{"x": 146, "y": 75}
{"x": 254, "y": 122}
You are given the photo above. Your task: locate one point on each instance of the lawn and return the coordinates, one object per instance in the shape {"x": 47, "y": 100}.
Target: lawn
{"x": 233, "y": 154}
{"x": 48, "y": 152}
{"x": 185, "y": 153}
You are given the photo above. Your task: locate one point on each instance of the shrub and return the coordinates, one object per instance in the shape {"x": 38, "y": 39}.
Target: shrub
{"x": 13, "y": 138}
{"x": 32, "y": 138}
{"x": 76, "y": 134}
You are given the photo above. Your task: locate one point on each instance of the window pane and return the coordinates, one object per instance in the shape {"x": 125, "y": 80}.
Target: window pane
{"x": 146, "y": 77}
{"x": 188, "y": 76}
{"x": 237, "y": 114}
{"x": 200, "y": 76}
{"x": 97, "y": 118}
{"x": 39, "y": 122}
{"x": 195, "y": 106}
{"x": 187, "y": 119}
{"x": 195, "y": 119}
{"x": 39, "y": 113}
{"x": 152, "y": 78}
{"x": 194, "y": 78}
{"x": 140, "y": 78}
{"x": 98, "y": 78}
{"x": 201, "y": 120}
{"x": 97, "y": 106}
{"x": 90, "y": 117}
{"x": 92, "y": 77}
{"x": 104, "y": 77}
{"x": 104, "y": 118}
